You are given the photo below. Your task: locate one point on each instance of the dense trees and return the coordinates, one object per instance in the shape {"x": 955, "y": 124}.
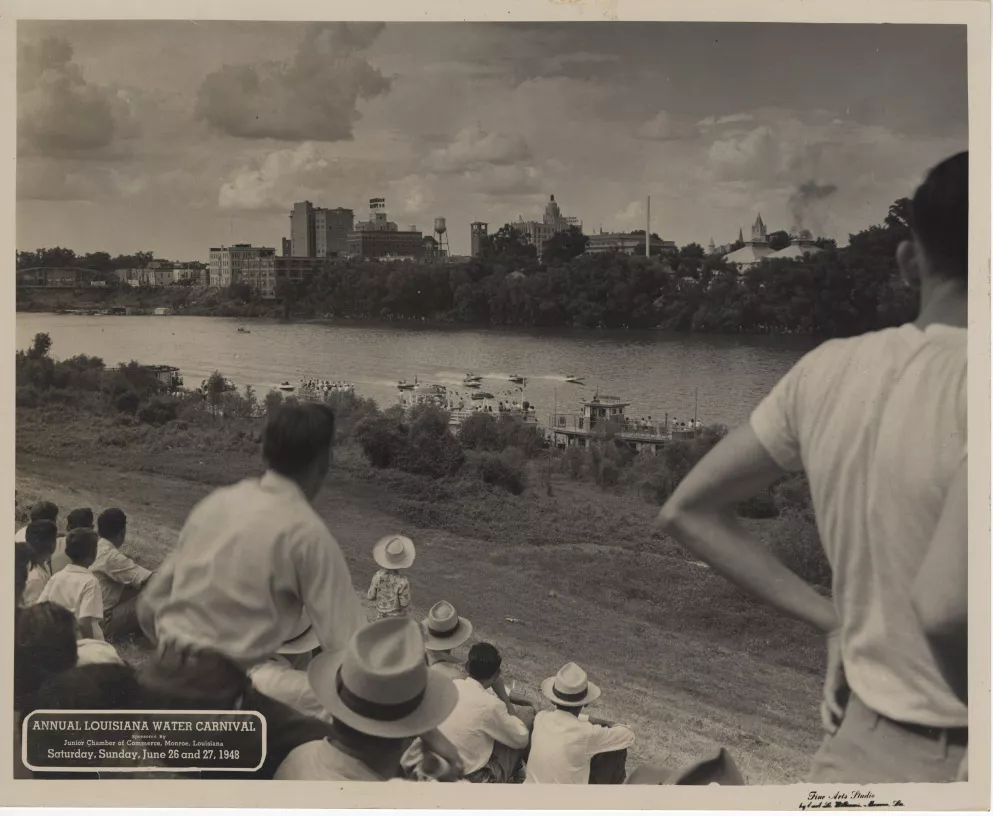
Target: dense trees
{"x": 836, "y": 292}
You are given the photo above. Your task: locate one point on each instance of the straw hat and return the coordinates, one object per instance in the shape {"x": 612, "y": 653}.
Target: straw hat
{"x": 394, "y": 552}
{"x": 444, "y": 629}
{"x": 380, "y": 685}
{"x": 570, "y": 687}
{"x": 305, "y": 639}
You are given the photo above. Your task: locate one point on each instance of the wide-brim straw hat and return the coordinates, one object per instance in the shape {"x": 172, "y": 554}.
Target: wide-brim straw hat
{"x": 303, "y": 640}
{"x": 444, "y": 629}
{"x": 570, "y": 687}
{"x": 380, "y": 684}
{"x": 394, "y": 552}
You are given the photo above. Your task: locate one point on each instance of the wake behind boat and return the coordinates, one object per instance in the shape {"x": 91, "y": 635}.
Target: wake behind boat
{"x": 574, "y": 379}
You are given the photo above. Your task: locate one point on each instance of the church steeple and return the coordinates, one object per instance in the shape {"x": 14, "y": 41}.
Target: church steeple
{"x": 758, "y": 231}
{"x": 741, "y": 237}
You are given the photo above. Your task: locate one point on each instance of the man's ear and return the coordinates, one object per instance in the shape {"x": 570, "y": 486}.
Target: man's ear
{"x": 908, "y": 259}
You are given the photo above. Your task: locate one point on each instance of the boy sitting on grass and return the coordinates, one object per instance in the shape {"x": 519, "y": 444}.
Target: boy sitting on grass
{"x": 76, "y": 588}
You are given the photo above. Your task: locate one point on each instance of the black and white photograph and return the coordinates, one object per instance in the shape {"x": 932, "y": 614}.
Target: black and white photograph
{"x": 525, "y": 402}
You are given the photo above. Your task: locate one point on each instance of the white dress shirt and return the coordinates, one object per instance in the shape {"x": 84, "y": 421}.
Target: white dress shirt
{"x": 115, "y": 571}
{"x": 562, "y": 746}
{"x": 250, "y": 558}
{"x": 479, "y": 720}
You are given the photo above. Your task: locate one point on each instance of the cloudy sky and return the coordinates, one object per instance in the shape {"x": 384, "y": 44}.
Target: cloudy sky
{"x": 175, "y": 136}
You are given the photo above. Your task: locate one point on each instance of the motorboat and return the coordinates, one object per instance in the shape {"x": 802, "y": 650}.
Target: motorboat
{"x": 243, "y": 330}
{"x": 517, "y": 379}
{"x": 481, "y": 395}
{"x": 471, "y": 383}
{"x": 472, "y": 380}
{"x": 572, "y": 378}
{"x": 403, "y": 385}
{"x": 286, "y": 388}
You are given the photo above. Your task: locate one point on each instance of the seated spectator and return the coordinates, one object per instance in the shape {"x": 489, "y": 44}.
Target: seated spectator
{"x": 44, "y": 646}
{"x": 390, "y": 588}
{"x": 42, "y": 511}
{"x": 381, "y": 693}
{"x": 23, "y": 562}
{"x": 76, "y": 588}
{"x": 40, "y": 536}
{"x": 569, "y": 748}
{"x": 79, "y": 519}
{"x": 283, "y": 676}
{"x": 490, "y": 737}
{"x": 121, "y": 579}
{"x": 445, "y": 631}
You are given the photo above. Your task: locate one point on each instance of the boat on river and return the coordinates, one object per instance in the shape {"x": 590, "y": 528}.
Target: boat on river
{"x": 243, "y": 330}
{"x": 403, "y": 385}
{"x": 575, "y": 380}
{"x": 472, "y": 380}
{"x": 517, "y": 379}
{"x": 286, "y": 387}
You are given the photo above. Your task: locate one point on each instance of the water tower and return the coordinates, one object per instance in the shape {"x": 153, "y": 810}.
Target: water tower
{"x": 441, "y": 236}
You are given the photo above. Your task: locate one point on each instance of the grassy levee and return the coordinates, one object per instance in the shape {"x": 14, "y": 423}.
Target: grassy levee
{"x": 576, "y": 572}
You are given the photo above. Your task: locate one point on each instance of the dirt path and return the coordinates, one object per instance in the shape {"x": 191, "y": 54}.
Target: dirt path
{"x": 680, "y": 695}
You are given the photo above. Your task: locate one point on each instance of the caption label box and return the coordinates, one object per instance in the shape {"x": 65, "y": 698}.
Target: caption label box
{"x": 146, "y": 741}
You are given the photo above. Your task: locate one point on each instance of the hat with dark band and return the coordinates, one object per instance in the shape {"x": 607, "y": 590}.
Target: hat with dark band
{"x": 570, "y": 687}
{"x": 444, "y": 629}
{"x": 380, "y": 685}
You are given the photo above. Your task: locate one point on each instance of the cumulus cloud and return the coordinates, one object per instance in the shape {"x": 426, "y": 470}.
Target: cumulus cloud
{"x": 59, "y": 111}
{"x": 275, "y": 182}
{"x": 730, "y": 119}
{"x": 314, "y": 97}
{"x": 474, "y": 147}
{"x": 505, "y": 180}
{"x": 664, "y": 127}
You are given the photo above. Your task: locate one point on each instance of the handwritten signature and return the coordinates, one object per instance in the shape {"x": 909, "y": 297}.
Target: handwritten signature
{"x": 844, "y": 799}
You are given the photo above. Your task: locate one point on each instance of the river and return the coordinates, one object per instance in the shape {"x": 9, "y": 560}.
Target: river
{"x": 656, "y": 373}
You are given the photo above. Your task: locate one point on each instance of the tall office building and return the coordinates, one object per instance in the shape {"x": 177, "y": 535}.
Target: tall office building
{"x": 303, "y": 237}
{"x": 331, "y": 228}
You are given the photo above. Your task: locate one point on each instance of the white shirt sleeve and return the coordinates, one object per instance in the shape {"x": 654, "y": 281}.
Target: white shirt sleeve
{"x": 614, "y": 738}
{"x": 504, "y": 727}
{"x": 91, "y": 601}
{"x": 326, "y": 591}
{"x": 774, "y": 421}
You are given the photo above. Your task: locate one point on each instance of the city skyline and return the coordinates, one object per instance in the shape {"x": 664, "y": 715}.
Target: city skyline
{"x": 212, "y": 140}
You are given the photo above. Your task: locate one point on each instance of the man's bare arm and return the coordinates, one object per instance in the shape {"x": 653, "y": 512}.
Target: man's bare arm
{"x": 941, "y": 591}
{"x": 700, "y": 515}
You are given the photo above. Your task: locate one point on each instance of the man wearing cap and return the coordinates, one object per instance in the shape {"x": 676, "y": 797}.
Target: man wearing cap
{"x": 283, "y": 676}
{"x": 254, "y": 556}
{"x": 380, "y": 694}
{"x": 565, "y": 742}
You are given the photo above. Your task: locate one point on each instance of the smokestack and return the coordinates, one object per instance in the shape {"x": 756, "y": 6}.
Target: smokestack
{"x": 648, "y": 228}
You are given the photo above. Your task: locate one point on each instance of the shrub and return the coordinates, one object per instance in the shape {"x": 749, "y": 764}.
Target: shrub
{"x": 272, "y": 401}
{"x": 59, "y": 396}
{"x": 127, "y": 402}
{"x": 431, "y": 455}
{"x": 382, "y": 440}
{"x": 504, "y": 469}
{"x": 573, "y": 461}
{"x": 609, "y": 474}
{"x": 159, "y": 411}
{"x": 26, "y": 397}
{"x": 479, "y": 433}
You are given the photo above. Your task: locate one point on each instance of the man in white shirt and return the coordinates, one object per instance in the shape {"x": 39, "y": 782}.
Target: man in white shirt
{"x": 254, "y": 556}
{"x": 490, "y": 738}
{"x": 878, "y": 423}
{"x": 566, "y": 744}
{"x": 76, "y": 588}
{"x": 121, "y": 579}
{"x": 79, "y": 519}
{"x": 41, "y": 537}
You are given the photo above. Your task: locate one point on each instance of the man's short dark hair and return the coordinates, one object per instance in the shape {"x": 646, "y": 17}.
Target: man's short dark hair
{"x": 484, "y": 661}
{"x": 939, "y": 217}
{"x": 80, "y": 517}
{"x": 44, "y": 511}
{"x": 296, "y": 435}
{"x": 41, "y": 536}
{"x": 81, "y": 545}
{"x": 111, "y": 522}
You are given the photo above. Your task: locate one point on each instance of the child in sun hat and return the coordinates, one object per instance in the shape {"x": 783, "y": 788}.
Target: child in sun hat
{"x": 390, "y": 589}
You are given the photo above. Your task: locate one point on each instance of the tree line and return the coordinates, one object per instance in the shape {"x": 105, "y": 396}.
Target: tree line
{"x": 835, "y": 292}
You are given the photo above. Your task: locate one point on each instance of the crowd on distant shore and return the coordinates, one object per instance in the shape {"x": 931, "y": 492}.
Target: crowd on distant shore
{"x": 255, "y": 608}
